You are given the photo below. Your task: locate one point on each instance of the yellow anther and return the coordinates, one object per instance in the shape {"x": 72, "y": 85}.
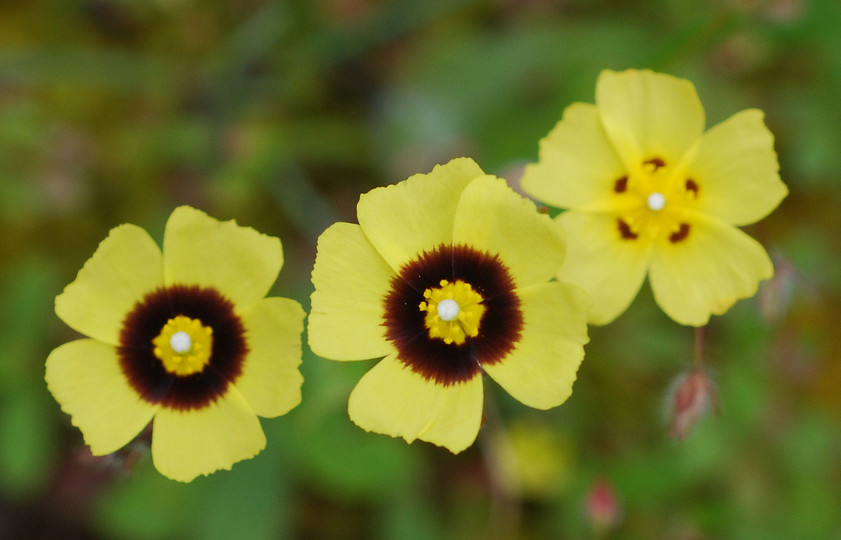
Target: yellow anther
{"x": 184, "y": 345}
{"x": 453, "y": 311}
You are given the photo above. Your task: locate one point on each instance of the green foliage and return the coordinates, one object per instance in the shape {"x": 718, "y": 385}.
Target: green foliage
{"x": 28, "y": 441}
{"x": 279, "y": 114}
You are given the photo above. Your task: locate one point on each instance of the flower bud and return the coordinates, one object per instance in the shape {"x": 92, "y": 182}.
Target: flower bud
{"x": 601, "y": 507}
{"x": 691, "y": 396}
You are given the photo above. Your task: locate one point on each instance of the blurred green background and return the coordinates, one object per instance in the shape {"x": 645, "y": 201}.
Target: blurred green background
{"x": 278, "y": 115}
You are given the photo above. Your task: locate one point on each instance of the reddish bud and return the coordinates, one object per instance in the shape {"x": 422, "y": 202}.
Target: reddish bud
{"x": 601, "y": 507}
{"x": 692, "y": 396}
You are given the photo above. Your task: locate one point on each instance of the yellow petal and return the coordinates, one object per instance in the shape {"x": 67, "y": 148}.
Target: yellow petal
{"x": 186, "y": 444}
{"x": 541, "y": 369}
{"x": 125, "y": 267}
{"x": 85, "y": 378}
{"x": 736, "y": 170}
{"x": 707, "y": 272}
{"x": 649, "y": 114}
{"x": 239, "y": 262}
{"x": 578, "y": 165}
{"x": 492, "y": 218}
{"x": 351, "y": 281}
{"x": 271, "y": 381}
{"x": 416, "y": 215}
{"x": 393, "y": 400}
{"x": 609, "y": 268}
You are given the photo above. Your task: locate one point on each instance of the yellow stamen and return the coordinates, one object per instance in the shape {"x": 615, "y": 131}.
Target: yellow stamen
{"x": 184, "y": 345}
{"x": 453, "y": 311}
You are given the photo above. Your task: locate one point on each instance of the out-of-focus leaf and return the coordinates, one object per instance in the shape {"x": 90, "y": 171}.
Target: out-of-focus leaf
{"x": 27, "y": 444}
{"x": 336, "y": 456}
{"x": 251, "y": 501}
{"x": 148, "y": 506}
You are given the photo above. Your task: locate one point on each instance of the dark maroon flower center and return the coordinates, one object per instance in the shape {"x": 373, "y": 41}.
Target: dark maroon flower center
{"x": 451, "y": 363}
{"x": 145, "y": 371}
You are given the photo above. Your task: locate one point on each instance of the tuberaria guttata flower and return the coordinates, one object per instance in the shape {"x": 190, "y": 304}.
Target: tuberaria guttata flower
{"x": 648, "y": 192}
{"x": 184, "y": 338}
{"x": 448, "y": 275}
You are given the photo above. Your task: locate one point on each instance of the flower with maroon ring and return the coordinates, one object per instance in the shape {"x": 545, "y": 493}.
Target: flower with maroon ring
{"x": 185, "y": 338}
{"x": 648, "y": 192}
{"x": 448, "y": 275}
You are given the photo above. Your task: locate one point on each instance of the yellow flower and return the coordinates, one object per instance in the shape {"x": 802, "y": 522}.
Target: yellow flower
{"x": 649, "y": 192}
{"x": 185, "y": 338}
{"x": 446, "y": 276}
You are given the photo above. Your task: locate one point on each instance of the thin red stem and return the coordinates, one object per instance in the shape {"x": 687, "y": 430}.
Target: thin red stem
{"x": 698, "y": 360}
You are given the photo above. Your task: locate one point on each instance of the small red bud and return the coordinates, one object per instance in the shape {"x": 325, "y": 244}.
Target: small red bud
{"x": 601, "y": 507}
{"x": 692, "y": 396}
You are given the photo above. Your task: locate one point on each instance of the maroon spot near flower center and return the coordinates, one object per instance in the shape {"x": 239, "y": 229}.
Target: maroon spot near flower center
{"x": 450, "y": 363}
{"x": 692, "y": 185}
{"x": 621, "y": 184}
{"x": 680, "y": 234}
{"x": 146, "y": 373}
{"x": 656, "y": 162}
{"x": 625, "y": 230}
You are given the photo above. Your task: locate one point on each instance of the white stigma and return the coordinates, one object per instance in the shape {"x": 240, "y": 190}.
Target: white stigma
{"x": 448, "y": 309}
{"x": 656, "y": 201}
{"x": 181, "y": 342}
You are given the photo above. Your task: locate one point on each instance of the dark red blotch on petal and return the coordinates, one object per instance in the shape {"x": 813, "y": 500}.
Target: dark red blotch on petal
{"x": 499, "y": 330}
{"x": 680, "y": 234}
{"x": 145, "y": 372}
{"x": 692, "y": 185}
{"x": 621, "y": 184}
{"x": 625, "y": 230}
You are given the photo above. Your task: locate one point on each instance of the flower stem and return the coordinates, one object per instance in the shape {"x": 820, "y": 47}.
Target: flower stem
{"x": 698, "y": 360}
